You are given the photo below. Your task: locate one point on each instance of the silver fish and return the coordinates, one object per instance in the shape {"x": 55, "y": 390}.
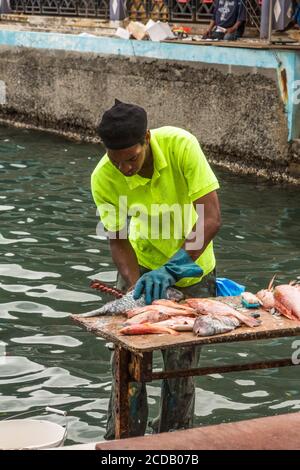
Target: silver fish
{"x": 127, "y": 302}
{"x": 208, "y": 325}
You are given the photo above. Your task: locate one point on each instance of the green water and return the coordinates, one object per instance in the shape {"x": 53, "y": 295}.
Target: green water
{"x": 49, "y": 251}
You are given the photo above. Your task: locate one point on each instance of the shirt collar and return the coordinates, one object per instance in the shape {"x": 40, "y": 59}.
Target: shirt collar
{"x": 159, "y": 163}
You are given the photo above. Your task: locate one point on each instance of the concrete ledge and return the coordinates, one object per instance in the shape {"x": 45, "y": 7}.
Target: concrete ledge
{"x": 62, "y": 24}
{"x": 271, "y": 433}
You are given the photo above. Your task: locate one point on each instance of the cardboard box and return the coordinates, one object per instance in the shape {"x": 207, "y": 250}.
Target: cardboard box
{"x": 159, "y": 31}
{"x": 137, "y": 29}
{"x": 122, "y": 33}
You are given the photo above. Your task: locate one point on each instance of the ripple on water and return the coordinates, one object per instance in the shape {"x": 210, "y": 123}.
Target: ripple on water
{"x": 53, "y": 377}
{"x": 6, "y": 208}
{"x": 18, "y": 165}
{"x": 81, "y": 268}
{"x": 15, "y": 270}
{"x": 9, "y": 241}
{"x": 52, "y": 292}
{"x": 208, "y": 402}
{"x": 11, "y": 366}
{"x": 30, "y": 308}
{"x": 105, "y": 276}
{"x": 292, "y": 404}
{"x": 38, "y": 398}
{"x": 66, "y": 341}
{"x": 256, "y": 393}
{"x": 244, "y": 382}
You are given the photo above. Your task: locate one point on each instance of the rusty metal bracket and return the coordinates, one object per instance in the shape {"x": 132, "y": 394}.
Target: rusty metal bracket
{"x": 172, "y": 374}
{"x": 122, "y": 393}
{"x": 140, "y": 367}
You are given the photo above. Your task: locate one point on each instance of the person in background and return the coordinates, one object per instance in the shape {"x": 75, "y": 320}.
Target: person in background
{"x": 229, "y": 19}
{"x": 296, "y": 13}
{"x": 295, "y": 16}
{"x": 155, "y": 171}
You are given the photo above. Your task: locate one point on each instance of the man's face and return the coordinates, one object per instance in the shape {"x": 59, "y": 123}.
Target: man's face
{"x": 129, "y": 161}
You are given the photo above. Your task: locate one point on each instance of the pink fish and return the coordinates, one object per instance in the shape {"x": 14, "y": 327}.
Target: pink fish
{"x": 266, "y": 296}
{"x": 149, "y": 316}
{"x": 171, "y": 304}
{"x": 287, "y": 301}
{"x": 214, "y": 307}
{"x": 179, "y": 323}
{"x": 166, "y": 309}
{"x": 138, "y": 310}
{"x": 267, "y": 299}
{"x": 147, "y": 329}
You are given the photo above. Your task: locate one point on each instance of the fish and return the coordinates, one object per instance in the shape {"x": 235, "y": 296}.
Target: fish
{"x": 266, "y": 296}
{"x": 210, "y": 325}
{"x": 179, "y": 323}
{"x": 127, "y": 302}
{"x": 267, "y": 299}
{"x": 170, "y": 304}
{"x": 146, "y": 329}
{"x": 148, "y": 316}
{"x": 171, "y": 311}
{"x": 215, "y": 307}
{"x": 287, "y": 301}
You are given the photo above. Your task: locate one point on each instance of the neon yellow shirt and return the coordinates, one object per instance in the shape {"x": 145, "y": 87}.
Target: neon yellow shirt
{"x": 181, "y": 175}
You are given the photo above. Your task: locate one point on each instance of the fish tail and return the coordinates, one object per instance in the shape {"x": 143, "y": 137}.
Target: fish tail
{"x": 93, "y": 313}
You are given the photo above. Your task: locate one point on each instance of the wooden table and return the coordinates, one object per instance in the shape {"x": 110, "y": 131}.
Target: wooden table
{"x": 134, "y": 353}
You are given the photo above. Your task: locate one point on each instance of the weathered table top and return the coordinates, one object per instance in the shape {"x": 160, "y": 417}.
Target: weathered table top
{"x": 108, "y": 327}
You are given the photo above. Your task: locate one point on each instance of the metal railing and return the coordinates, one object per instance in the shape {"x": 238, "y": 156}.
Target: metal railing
{"x": 185, "y": 11}
{"x": 85, "y": 8}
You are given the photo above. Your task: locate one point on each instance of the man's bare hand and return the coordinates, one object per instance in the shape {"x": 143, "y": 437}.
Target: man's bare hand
{"x": 230, "y": 30}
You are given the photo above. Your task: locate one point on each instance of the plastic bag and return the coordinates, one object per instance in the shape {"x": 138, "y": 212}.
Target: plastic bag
{"x": 227, "y": 287}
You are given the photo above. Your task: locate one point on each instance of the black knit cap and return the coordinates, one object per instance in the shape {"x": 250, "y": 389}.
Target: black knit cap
{"x": 122, "y": 126}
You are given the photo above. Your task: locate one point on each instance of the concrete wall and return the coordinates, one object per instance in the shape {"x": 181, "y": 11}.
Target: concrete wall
{"x": 235, "y": 111}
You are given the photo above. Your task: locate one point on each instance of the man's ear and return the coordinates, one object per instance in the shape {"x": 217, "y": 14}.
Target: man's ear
{"x": 148, "y": 136}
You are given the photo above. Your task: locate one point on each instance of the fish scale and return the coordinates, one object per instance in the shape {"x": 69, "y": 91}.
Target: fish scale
{"x": 207, "y": 325}
{"x": 127, "y": 302}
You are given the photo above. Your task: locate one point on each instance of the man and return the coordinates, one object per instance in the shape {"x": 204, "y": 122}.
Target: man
{"x": 296, "y": 13}
{"x": 159, "y": 178}
{"x": 228, "y": 21}
{"x": 295, "y": 16}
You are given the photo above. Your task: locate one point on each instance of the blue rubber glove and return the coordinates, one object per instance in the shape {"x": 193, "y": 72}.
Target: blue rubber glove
{"x": 155, "y": 283}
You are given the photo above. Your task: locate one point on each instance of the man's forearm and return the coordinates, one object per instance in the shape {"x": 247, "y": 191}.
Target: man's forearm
{"x": 234, "y": 28}
{"x": 203, "y": 233}
{"x": 210, "y": 27}
{"x": 211, "y": 228}
{"x": 125, "y": 259}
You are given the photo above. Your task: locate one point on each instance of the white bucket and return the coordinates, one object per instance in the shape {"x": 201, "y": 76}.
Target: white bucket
{"x": 30, "y": 434}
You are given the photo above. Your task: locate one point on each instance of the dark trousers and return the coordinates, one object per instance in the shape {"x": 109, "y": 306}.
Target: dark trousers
{"x": 177, "y": 395}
